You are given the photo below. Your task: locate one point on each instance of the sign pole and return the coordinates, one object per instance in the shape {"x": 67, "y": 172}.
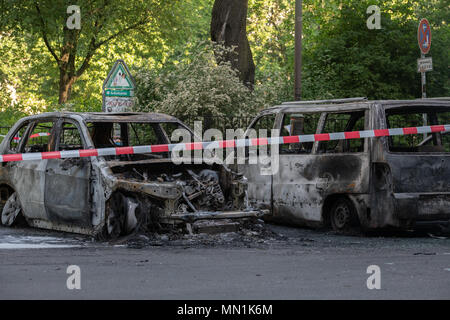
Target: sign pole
{"x": 424, "y": 64}
{"x": 298, "y": 51}
{"x": 424, "y": 80}
{"x": 424, "y": 94}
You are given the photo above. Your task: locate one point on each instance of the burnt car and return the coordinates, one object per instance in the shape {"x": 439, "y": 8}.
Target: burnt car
{"x": 110, "y": 195}
{"x": 400, "y": 181}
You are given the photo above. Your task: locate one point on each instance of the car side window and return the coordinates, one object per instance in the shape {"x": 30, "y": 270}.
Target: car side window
{"x": 296, "y": 124}
{"x": 70, "y": 138}
{"x": 39, "y": 139}
{"x": 340, "y": 122}
{"x": 141, "y": 134}
{"x": 18, "y": 136}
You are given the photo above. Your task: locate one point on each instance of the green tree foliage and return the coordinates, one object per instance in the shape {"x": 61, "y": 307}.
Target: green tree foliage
{"x": 341, "y": 56}
{"x": 196, "y": 85}
{"x": 30, "y": 71}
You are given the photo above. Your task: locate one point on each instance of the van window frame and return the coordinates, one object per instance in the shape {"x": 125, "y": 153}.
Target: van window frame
{"x": 279, "y": 123}
{"x": 384, "y": 125}
{"x": 321, "y": 126}
{"x": 366, "y": 127}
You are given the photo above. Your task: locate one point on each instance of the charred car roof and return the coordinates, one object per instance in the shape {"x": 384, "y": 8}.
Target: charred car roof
{"x": 108, "y": 117}
{"x": 350, "y": 104}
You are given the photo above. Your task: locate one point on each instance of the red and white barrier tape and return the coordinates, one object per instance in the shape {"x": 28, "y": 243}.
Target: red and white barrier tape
{"x": 223, "y": 144}
{"x": 35, "y": 135}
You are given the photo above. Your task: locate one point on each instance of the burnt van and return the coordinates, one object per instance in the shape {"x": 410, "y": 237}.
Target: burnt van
{"x": 373, "y": 182}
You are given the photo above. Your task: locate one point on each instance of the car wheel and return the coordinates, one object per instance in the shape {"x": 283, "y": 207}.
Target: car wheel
{"x": 342, "y": 215}
{"x": 12, "y": 211}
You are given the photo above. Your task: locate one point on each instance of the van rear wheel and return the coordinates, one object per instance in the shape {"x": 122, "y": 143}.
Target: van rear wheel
{"x": 342, "y": 215}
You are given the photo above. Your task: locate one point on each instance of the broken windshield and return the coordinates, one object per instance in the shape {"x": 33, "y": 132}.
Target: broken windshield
{"x": 125, "y": 134}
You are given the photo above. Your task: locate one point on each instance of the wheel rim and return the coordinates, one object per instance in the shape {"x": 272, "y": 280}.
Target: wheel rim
{"x": 341, "y": 216}
{"x": 11, "y": 210}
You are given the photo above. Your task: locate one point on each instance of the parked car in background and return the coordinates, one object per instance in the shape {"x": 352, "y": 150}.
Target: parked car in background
{"x": 400, "y": 181}
{"x": 110, "y": 195}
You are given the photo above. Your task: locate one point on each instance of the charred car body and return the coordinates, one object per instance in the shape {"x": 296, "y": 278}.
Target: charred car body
{"x": 110, "y": 194}
{"x": 398, "y": 181}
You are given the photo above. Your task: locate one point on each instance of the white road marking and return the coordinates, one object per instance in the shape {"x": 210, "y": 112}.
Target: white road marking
{"x": 36, "y": 242}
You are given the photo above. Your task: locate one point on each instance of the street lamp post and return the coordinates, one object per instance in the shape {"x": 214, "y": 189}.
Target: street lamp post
{"x": 298, "y": 50}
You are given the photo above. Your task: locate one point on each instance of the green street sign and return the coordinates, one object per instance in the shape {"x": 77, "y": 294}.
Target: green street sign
{"x": 118, "y": 89}
{"x": 119, "y": 93}
{"x": 119, "y": 77}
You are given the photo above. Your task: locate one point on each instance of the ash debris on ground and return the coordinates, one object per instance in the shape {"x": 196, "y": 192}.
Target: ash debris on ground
{"x": 247, "y": 233}
{"x": 255, "y": 233}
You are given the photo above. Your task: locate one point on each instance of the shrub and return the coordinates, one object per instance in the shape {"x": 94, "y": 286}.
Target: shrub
{"x": 197, "y": 85}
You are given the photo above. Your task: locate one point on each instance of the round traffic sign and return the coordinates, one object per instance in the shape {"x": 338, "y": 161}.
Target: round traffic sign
{"x": 424, "y": 36}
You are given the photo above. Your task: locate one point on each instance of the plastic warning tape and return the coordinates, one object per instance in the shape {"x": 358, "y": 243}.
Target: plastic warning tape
{"x": 223, "y": 144}
{"x": 35, "y": 135}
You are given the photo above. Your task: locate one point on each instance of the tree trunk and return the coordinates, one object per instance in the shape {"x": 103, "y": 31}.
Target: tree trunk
{"x": 67, "y": 72}
{"x": 65, "y": 86}
{"x": 228, "y": 26}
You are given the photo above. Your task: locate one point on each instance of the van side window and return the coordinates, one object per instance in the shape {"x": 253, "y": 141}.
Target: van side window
{"x": 341, "y": 122}
{"x": 264, "y": 123}
{"x": 296, "y": 124}
{"x": 262, "y": 128}
{"x": 39, "y": 139}
{"x": 413, "y": 117}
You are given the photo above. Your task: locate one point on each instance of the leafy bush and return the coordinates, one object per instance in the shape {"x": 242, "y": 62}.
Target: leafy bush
{"x": 197, "y": 85}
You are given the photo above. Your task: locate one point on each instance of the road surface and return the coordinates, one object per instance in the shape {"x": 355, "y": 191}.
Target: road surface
{"x": 296, "y": 264}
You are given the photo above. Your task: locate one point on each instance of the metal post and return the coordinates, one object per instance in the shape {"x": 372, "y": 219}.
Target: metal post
{"x": 298, "y": 50}
{"x": 424, "y": 94}
{"x": 424, "y": 81}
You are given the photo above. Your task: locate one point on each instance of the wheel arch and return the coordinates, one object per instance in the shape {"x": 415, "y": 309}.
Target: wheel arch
{"x": 331, "y": 199}
{"x": 5, "y": 192}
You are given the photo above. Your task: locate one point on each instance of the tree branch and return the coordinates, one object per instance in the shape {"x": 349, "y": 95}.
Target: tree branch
{"x": 93, "y": 46}
{"x": 91, "y": 49}
{"x": 133, "y": 26}
{"x": 44, "y": 33}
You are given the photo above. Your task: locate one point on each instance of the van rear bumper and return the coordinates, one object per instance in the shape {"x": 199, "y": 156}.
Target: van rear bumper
{"x": 423, "y": 206}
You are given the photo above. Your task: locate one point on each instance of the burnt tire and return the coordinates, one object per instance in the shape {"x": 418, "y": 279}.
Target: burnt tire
{"x": 343, "y": 215}
{"x": 12, "y": 212}
{"x": 115, "y": 217}
{"x": 113, "y": 226}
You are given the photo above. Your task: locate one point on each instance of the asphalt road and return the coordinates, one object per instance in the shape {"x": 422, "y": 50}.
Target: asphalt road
{"x": 302, "y": 264}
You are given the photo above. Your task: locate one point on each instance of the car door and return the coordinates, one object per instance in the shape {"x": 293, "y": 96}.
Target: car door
{"x": 310, "y": 172}
{"x": 256, "y": 164}
{"x": 294, "y": 188}
{"x": 28, "y": 176}
{"x": 67, "y": 181}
